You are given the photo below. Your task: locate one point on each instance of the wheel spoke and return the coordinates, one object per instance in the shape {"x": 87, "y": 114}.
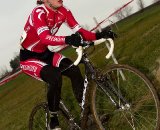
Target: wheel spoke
{"x": 146, "y": 120}
{"x": 130, "y": 123}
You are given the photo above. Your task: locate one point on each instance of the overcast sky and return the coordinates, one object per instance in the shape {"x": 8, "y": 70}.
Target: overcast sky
{"x": 13, "y": 15}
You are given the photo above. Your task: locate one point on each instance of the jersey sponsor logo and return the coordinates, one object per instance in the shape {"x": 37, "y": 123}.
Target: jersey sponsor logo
{"x": 40, "y": 11}
{"x": 29, "y": 67}
{"x": 55, "y": 39}
{"x": 42, "y": 29}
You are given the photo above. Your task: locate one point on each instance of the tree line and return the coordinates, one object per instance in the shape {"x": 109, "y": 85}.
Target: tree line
{"x": 127, "y": 11}
{"x": 14, "y": 64}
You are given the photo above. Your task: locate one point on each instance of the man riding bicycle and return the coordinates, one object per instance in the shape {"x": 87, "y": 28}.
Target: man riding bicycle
{"x": 38, "y": 61}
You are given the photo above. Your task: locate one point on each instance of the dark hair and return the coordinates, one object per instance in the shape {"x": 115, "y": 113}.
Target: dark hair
{"x": 39, "y": 2}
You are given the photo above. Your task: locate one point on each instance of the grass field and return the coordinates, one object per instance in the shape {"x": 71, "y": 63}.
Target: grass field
{"x": 138, "y": 45}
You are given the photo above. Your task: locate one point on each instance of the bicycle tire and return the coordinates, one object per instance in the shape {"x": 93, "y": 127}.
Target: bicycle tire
{"x": 39, "y": 117}
{"x": 144, "y": 111}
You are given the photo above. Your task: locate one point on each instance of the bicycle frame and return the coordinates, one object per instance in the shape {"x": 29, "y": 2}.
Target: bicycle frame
{"x": 91, "y": 74}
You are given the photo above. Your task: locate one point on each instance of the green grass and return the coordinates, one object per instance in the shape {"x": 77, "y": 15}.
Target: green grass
{"x": 16, "y": 100}
{"x": 138, "y": 45}
{"x": 140, "y": 42}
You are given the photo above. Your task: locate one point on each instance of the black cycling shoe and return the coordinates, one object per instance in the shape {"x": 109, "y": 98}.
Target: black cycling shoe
{"x": 54, "y": 123}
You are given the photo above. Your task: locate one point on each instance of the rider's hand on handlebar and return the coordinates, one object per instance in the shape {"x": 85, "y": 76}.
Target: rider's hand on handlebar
{"x": 107, "y": 33}
{"x": 75, "y": 40}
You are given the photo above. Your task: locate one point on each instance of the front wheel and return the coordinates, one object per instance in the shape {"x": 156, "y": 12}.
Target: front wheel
{"x": 39, "y": 117}
{"x": 125, "y": 100}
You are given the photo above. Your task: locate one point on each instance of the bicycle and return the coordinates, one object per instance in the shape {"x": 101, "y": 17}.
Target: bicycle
{"x": 119, "y": 97}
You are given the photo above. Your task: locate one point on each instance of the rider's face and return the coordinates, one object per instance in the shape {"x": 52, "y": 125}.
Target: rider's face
{"x": 56, "y": 3}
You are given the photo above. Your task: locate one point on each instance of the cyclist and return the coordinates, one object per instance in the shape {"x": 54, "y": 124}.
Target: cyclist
{"x": 38, "y": 61}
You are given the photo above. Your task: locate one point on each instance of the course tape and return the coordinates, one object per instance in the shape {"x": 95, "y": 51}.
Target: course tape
{"x": 112, "y": 15}
{"x": 10, "y": 77}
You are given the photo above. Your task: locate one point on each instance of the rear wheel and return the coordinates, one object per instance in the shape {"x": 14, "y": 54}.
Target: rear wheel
{"x": 138, "y": 104}
{"x": 39, "y": 117}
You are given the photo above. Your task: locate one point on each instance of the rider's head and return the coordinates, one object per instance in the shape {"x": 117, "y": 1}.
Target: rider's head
{"x": 39, "y": 2}
{"x": 54, "y": 4}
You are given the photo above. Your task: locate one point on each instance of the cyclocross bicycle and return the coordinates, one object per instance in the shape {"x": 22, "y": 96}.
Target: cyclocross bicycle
{"x": 118, "y": 97}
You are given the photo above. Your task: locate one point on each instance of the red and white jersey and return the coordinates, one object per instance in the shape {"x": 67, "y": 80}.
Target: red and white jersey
{"x": 42, "y": 25}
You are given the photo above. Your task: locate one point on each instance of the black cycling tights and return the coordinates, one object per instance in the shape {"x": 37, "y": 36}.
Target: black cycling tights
{"x": 53, "y": 76}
